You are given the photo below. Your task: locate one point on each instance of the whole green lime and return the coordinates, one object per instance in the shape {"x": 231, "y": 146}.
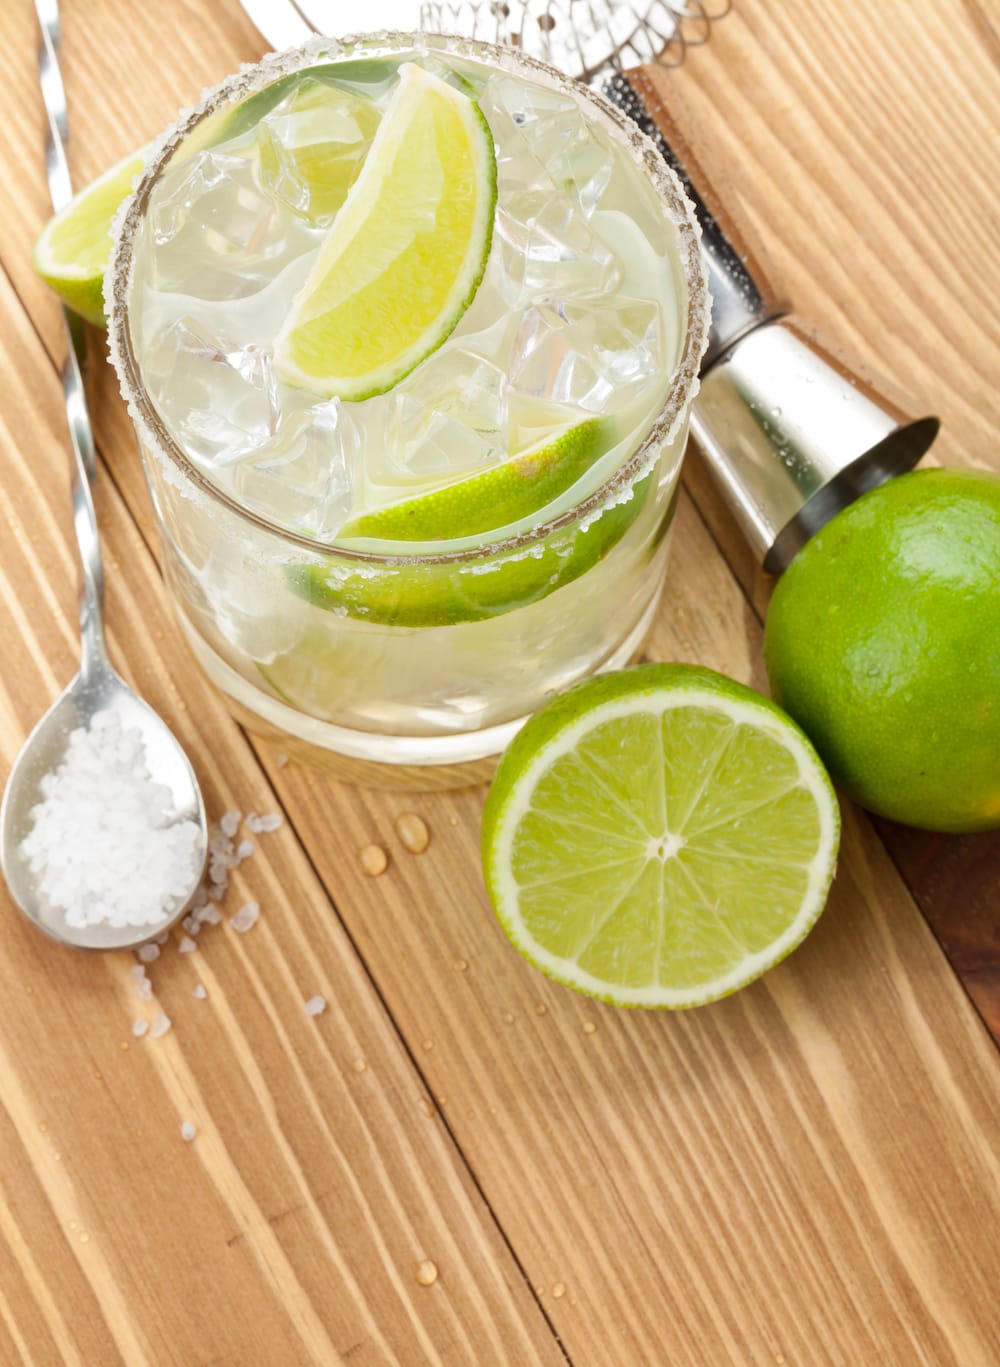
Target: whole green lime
{"x": 883, "y": 642}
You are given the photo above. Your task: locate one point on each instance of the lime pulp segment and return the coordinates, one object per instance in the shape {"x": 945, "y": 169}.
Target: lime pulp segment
{"x": 659, "y": 837}
{"x": 405, "y": 254}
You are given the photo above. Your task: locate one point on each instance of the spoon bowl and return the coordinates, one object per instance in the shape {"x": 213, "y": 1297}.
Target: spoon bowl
{"x": 93, "y": 691}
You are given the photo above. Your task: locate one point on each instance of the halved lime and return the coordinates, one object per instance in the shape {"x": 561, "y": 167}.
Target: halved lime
{"x": 493, "y": 498}
{"x": 74, "y": 248}
{"x": 404, "y": 257}
{"x": 659, "y": 837}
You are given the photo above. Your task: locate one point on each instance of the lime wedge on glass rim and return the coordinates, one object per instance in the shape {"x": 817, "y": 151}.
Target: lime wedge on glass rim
{"x": 74, "y": 248}
{"x": 405, "y": 254}
{"x": 659, "y": 837}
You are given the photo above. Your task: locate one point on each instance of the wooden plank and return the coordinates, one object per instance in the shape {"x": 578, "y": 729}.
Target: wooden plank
{"x": 851, "y": 142}
{"x": 291, "y": 1229}
{"x": 753, "y": 1182}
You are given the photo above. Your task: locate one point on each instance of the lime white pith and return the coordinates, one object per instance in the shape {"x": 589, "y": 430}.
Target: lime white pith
{"x": 664, "y": 847}
{"x": 405, "y": 254}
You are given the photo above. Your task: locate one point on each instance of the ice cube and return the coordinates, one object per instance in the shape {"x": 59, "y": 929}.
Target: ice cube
{"x": 543, "y": 132}
{"x": 460, "y": 382}
{"x": 219, "y": 400}
{"x": 545, "y": 244}
{"x": 312, "y": 145}
{"x": 302, "y": 475}
{"x": 599, "y": 354}
{"x": 254, "y": 320}
{"x": 552, "y": 171}
{"x": 446, "y": 420}
{"x": 217, "y": 234}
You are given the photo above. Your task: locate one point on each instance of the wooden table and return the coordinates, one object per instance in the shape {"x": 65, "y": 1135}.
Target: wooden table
{"x": 806, "y": 1173}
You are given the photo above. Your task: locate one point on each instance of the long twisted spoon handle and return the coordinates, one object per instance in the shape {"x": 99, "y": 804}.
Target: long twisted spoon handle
{"x": 80, "y": 431}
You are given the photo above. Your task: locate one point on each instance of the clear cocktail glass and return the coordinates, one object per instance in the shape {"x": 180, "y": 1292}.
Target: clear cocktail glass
{"x": 414, "y": 663}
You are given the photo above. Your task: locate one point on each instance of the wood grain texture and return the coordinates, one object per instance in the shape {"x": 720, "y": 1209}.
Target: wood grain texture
{"x": 806, "y": 1173}
{"x": 317, "y": 1182}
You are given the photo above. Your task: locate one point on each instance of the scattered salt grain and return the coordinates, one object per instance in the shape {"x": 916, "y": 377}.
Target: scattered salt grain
{"x": 210, "y": 915}
{"x": 139, "y": 1028}
{"x": 230, "y": 823}
{"x": 261, "y": 825}
{"x": 244, "y": 850}
{"x": 218, "y": 870}
{"x": 101, "y": 817}
{"x": 188, "y": 1131}
{"x": 137, "y": 972}
{"x": 246, "y": 918}
{"x": 199, "y": 991}
{"x": 191, "y": 924}
{"x": 186, "y": 946}
{"x": 315, "y": 1006}
{"x": 160, "y": 1026}
{"x": 147, "y": 953}
{"x": 162, "y": 938}
{"x": 145, "y": 989}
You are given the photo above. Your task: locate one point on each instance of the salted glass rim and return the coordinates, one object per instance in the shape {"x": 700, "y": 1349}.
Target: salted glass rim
{"x": 671, "y": 197}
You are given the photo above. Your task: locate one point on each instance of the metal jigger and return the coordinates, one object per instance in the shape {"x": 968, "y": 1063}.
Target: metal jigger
{"x": 792, "y": 437}
{"x": 790, "y": 434}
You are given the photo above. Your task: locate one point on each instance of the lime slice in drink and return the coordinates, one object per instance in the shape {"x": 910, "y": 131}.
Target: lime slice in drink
{"x": 74, "y": 248}
{"x": 443, "y": 594}
{"x": 404, "y": 256}
{"x": 659, "y": 837}
{"x": 495, "y": 497}
{"x": 311, "y": 150}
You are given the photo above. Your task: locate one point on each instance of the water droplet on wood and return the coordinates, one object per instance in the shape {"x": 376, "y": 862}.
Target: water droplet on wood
{"x": 427, "y": 1273}
{"x": 374, "y": 860}
{"x": 412, "y": 831}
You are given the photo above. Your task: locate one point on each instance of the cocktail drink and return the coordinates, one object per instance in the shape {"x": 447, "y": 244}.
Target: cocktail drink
{"x": 409, "y": 328}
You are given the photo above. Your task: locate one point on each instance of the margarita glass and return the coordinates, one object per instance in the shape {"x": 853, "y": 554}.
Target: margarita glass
{"x": 390, "y": 660}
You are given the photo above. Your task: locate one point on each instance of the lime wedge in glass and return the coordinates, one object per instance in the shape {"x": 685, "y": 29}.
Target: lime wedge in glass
{"x": 74, "y": 248}
{"x": 495, "y": 497}
{"x": 435, "y": 595}
{"x": 405, "y": 254}
{"x": 659, "y": 837}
